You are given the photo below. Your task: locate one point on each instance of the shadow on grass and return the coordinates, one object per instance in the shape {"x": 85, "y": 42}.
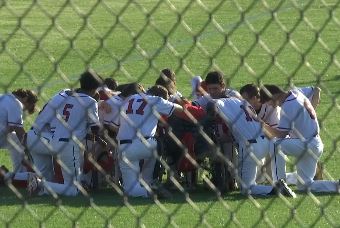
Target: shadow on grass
{"x": 107, "y": 197}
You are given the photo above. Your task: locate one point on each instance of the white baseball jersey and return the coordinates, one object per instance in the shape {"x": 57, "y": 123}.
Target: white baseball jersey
{"x": 11, "y": 114}
{"x": 307, "y": 91}
{"x": 298, "y": 116}
{"x": 46, "y": 119}
{"x": 240, "y": 117}
{"x": 115, "y": 103}
{"x": 204, "y": 100}
{"x": 75, "y": 112}
{"x": 269, "y": 114}
{"x": 138, "y": 114}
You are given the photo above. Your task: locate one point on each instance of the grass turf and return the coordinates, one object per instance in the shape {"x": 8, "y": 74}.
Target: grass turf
{"x": 264, "y": 44}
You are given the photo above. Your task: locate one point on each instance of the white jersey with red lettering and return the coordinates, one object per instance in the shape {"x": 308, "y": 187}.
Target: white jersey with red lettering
{"x": 253, "y": 145}
{"x": 298, "y": 116}
{"x": 138, "y": 114}
{"x": 75, "y": 114}
{"x": 240, "y": 117}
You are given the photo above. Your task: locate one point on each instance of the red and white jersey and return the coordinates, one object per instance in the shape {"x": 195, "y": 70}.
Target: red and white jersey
{"x": 11, "y": 114}
{"x": 74, "y": 113}
{"x": 140, "y": 113}
{"x": 269, "y": 115}
{"x": 204, "y": 100}
{"x": 46, "y": 119}
{"x": 115, "y": 104}
{"x": 240, "y": 118}
{"x": 298, "y": 116}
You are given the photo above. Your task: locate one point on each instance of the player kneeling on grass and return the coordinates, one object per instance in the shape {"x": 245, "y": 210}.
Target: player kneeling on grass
{"x": 241, "y": 119}
{"x": 12, "y": 106}
{"x": 75, "y": 113}
{"x": 298, "y": 120}
{"x": 136, "y": 138}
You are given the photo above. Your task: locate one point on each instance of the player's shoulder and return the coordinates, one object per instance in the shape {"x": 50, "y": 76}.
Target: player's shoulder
{"x": 11, "y": 101}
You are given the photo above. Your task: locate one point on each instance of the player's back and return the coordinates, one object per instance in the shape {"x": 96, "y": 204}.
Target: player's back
{"x": 138, "y": 114}
{"x": 299, "y": 116}
{"x": 74, "y": 114}
{"x": 115, "y": 103}
{"x": 240, "y": 117}
{"x": 10, "y": 113}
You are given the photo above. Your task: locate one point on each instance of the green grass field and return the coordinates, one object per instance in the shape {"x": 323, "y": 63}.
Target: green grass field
{"x": 47, "y": 44}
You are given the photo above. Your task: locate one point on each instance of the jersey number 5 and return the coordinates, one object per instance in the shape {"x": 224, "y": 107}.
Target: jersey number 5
{"x": 140, "y": 110}
{"x": 66, "y": 111}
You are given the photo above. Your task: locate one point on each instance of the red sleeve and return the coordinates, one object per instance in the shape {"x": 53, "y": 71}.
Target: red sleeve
{"x": 197, "y": 112}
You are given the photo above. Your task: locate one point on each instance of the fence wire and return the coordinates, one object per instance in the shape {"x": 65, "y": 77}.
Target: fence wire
{"x": 268, "y": 148}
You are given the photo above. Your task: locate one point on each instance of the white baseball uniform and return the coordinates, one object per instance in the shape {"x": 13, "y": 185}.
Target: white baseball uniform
{"x": 299, "y": 118}
{"x": 11, "y": 114}
{"x": 74, "y": 114}
{"x": 307, "y": 91}
{"x": 253, "y": 145}
{"x": 137, "y": 128}
{"x": 40, "y": 136}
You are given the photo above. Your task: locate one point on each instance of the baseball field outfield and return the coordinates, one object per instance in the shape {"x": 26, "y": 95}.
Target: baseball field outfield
{"x": 45, "y": 45}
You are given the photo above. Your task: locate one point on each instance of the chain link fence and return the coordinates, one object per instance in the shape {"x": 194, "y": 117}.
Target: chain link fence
{"x": 209, "y": 163}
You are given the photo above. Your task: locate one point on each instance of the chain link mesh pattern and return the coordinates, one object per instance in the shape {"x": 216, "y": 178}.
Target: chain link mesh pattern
{"x": 47, "y": 44}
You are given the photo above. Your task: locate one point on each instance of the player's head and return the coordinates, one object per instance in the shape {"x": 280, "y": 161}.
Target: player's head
{"x": 168, "y": 73}
{"x": 28, "y": 98}
{"x": 168, "y": 84}
{"x": 111, "y": 83}
{"x": 251, "y": 93}
{"x": 215, "y": 84}
{"x": 271, "y": 94}
{"x": 90, "y": 81}
{"x": 159, "y": 91}
{"x": 130, "y": 89}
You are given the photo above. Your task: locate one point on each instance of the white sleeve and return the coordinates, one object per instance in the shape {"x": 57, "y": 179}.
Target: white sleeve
{"x": 46, "y": 116}
{"x": 285, "y": 124}
{"x": 164, "y": 107}
{"x": 15, "y": 113}
{"x": 307, "y": 91}
{"x": 92, "y": 111}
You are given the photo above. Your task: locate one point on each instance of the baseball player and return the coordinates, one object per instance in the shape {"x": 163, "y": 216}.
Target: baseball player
{"x": 40, "y": 136}
{"x": 267, "y": 113}
{"x": 137, "y": 128}
{"x": 298, "y": 120}
{"x": 253, "y": 145}
{"x": 216, "y": 88}
{"x": 12, "y": 106}
{"x": 75, "y": 113}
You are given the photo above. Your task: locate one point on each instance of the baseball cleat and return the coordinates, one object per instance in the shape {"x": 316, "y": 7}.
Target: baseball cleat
{"x": 282, "y": 188}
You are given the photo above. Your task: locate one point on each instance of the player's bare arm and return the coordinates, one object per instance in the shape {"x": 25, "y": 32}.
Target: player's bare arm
{"x": 316, "y": 97}
{"x": 271, "y": 132}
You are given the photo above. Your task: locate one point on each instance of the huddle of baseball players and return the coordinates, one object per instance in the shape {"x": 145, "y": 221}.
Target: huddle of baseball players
{"x": 265, "y": 124}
